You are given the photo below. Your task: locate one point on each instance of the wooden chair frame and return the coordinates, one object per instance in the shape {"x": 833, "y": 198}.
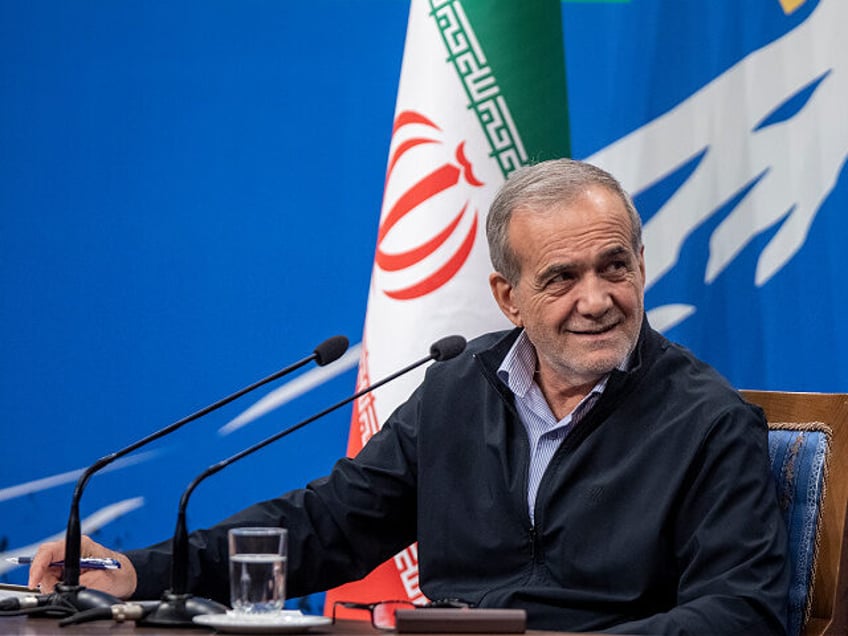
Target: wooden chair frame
{"x": 829, "y": 612}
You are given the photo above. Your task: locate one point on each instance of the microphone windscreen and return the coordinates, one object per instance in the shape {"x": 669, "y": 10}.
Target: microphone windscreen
{"x": 330, "y": 350}
{"x": 447, "y": 348}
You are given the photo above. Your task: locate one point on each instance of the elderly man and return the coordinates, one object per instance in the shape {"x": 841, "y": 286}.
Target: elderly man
{"x": 580, "y": 466}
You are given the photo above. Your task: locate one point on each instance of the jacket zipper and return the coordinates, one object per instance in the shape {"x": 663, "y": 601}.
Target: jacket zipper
{"x": 535, "y": 549}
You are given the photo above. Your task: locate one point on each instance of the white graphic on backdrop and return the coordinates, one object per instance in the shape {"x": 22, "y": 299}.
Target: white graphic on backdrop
{"x": 51, "y": 481}
{"x": 292, "y": 389}
{"x": 793, "y": 164}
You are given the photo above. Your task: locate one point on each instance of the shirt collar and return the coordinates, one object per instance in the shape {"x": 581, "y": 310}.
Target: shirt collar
{"x": 519, "y": 366}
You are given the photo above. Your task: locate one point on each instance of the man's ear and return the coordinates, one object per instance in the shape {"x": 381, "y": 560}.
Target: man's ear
{"x": 503, "y": 292}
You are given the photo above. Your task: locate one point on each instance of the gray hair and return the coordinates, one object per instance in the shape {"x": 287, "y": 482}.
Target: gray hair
{"x": 541, "y": 186}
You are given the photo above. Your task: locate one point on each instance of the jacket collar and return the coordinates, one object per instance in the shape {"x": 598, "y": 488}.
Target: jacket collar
{"x": 648, "y": 343}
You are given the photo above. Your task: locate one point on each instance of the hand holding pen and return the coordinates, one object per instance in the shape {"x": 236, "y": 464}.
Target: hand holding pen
{"x": 113, "y": 572}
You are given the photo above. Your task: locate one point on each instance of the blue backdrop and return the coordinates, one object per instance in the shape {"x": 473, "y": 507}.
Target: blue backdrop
{"x": 189, "y": 198}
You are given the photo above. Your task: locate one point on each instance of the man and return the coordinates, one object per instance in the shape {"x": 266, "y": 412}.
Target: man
{"x": 580, "y": 466}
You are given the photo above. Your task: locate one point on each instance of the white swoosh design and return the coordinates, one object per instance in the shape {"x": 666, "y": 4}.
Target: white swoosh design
{"x": 52, "y": 481}
{"x": 297, "y": 387}
{"x": 791, "y": 165}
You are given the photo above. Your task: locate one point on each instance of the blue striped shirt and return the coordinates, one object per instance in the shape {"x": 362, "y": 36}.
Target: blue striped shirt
{"x": 544, "y": 431}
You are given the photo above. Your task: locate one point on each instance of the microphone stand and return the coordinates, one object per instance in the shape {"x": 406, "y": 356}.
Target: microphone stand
{"x": 69, "y": 592}
{"x": 177, "y": 607}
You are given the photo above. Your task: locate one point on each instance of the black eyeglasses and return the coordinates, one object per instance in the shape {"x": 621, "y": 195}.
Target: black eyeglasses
{"x": 383, "y": 612}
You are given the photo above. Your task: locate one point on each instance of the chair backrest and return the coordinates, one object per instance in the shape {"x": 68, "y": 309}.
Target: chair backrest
{"x": 828, "y": 565}
{"x": 799, "y": 454}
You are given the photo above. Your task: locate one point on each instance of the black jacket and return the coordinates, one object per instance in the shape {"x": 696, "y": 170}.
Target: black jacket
{"x": 657, "y": 514}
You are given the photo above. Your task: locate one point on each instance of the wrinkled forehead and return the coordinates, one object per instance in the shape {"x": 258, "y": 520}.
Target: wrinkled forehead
{"x": 590, "y": 203}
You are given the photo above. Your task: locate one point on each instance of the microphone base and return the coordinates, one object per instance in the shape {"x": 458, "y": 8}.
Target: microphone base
{"x": 67, "y": 599}
{"x": 177, "y": 610}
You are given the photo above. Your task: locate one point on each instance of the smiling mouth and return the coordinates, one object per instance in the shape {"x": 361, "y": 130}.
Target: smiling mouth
{"x": 594, "y": 332}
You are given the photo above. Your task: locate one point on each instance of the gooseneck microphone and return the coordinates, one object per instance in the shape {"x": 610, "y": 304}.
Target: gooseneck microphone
{"x": 69, "y": 593}
{"x": 177, "y": 607}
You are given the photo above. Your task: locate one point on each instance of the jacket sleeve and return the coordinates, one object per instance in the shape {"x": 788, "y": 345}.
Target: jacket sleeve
{"x": 730, "y": 541}
{"x": 340, "y": 527}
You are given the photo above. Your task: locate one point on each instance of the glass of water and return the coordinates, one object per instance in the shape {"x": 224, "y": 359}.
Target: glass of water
{"x": 257, "y": 569}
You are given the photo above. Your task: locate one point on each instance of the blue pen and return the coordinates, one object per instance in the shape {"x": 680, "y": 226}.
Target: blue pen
{"x": 85, "y": 564}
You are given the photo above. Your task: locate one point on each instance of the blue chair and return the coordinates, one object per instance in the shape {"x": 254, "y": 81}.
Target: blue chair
{"x": 805, "y": 430}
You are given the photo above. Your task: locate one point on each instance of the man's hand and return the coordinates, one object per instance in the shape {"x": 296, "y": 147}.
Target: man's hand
{"x": 120, "y": 582}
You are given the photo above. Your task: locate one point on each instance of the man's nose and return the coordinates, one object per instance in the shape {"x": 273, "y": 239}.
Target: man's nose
{"x": 595, "y": 298}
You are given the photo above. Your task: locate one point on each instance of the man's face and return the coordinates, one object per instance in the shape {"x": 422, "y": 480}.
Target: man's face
{"x": 580, "y": 293}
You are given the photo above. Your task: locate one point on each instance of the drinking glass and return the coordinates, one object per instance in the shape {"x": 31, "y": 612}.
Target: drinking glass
{"x": 257, "y": 569}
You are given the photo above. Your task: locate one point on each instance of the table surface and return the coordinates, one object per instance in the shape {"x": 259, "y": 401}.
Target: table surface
{"x": 24, "y": 626}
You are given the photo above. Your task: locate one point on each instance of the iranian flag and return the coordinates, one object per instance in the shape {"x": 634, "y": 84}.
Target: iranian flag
{"x": 482, "y": 92}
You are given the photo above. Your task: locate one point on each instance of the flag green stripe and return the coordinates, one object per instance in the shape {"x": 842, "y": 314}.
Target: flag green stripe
{"x": 522, "y": 44}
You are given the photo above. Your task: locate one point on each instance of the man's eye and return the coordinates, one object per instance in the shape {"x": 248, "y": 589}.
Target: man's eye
{"x": 562, "y": 277}
{"x": 617, "y": 266}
